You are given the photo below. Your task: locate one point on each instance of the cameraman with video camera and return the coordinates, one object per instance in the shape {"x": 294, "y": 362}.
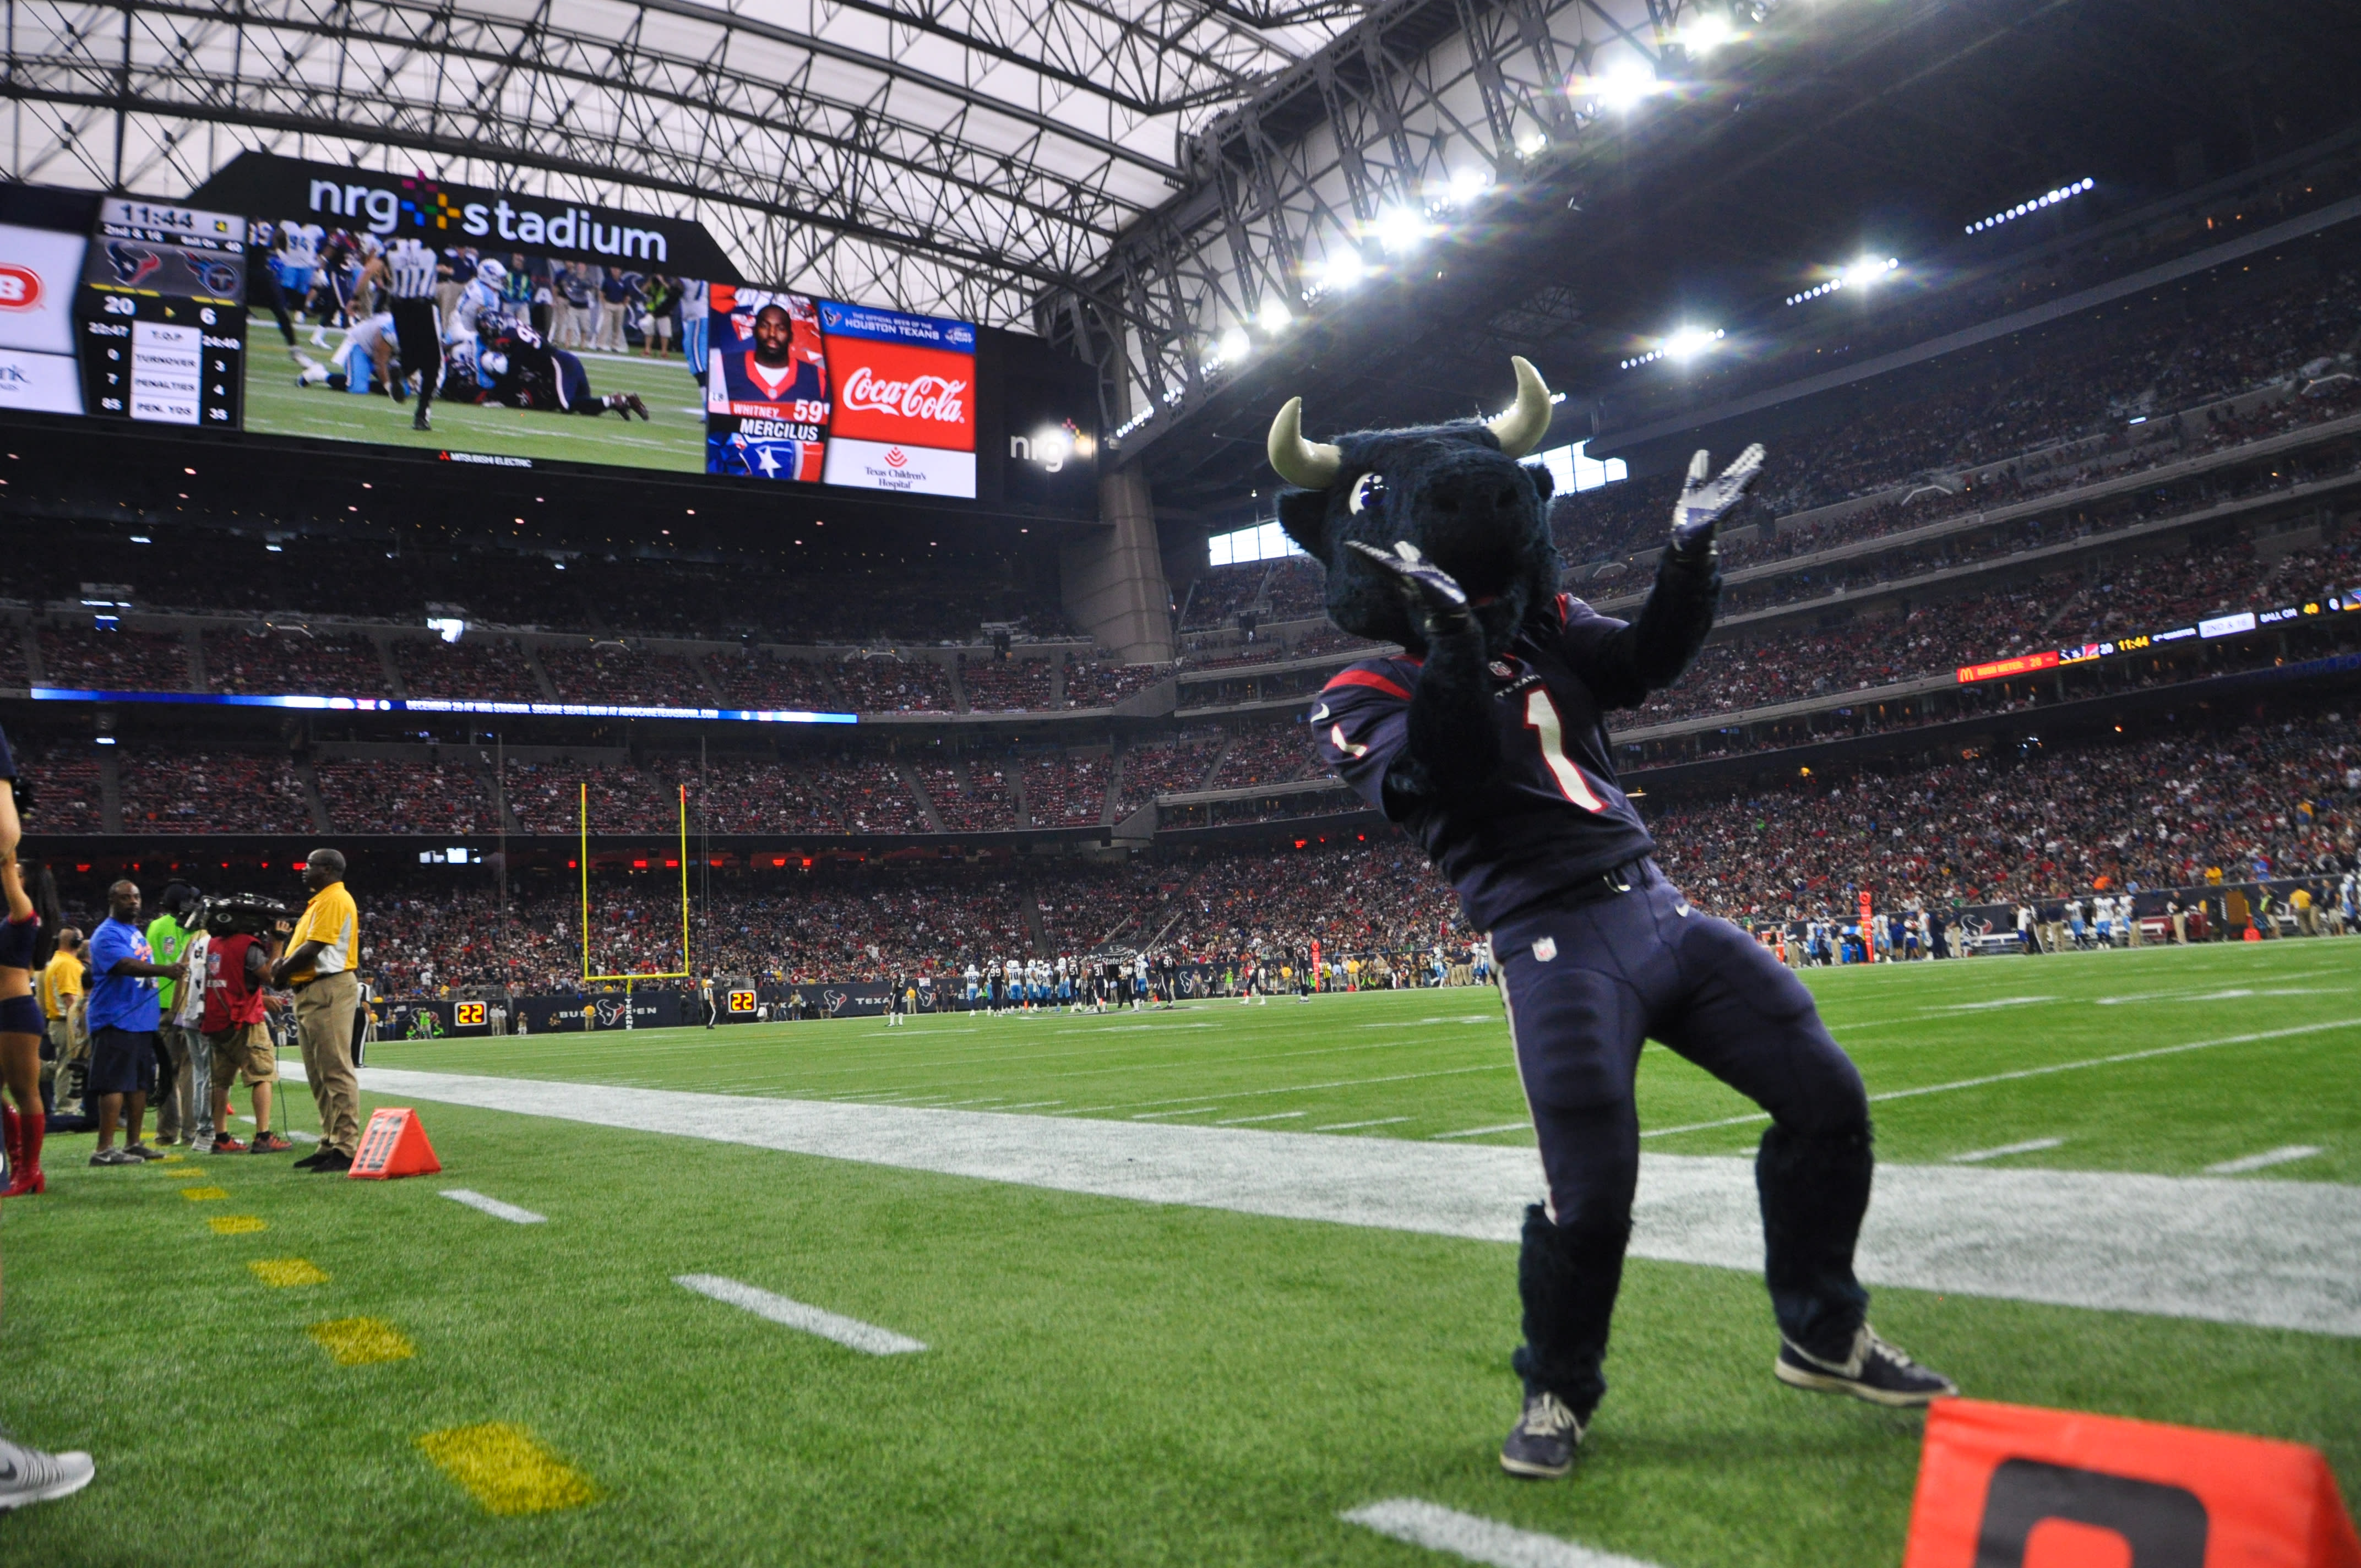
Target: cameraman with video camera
{"x": 245, "y": 936}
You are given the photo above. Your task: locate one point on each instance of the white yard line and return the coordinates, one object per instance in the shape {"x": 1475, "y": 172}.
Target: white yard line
{"x": 1247, "y": 1121}
{"x": 2037, "y": 1071}
{"x": 849, "y": 1332}
{"x": 2273, "y": 1254}
{"x": 1153, "y": 1115}
{"x": 1477, "y": 1538}
{"x": 1347, "y": 1126}
{"x": 2265, "y": 1160}
{"x": 494, "y": 1207}
{"x": 2031, "y": 1145}
{"x": 1484, "y": 1131}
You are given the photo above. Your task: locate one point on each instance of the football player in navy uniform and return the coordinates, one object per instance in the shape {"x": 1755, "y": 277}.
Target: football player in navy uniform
{"x": 1484, "y": 740}
{"x": 516, "y": 366}
{"x": 771, "y": 383}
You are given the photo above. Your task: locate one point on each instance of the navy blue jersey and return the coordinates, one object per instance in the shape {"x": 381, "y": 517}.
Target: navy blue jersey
{"x": 1554, "y": 817}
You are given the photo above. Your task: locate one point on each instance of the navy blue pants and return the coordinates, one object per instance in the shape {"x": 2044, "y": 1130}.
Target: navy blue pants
{"x": 1585, "y": 985}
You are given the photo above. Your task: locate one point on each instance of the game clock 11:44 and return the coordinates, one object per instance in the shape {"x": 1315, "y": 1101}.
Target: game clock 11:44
{"x": 160, "y": 316}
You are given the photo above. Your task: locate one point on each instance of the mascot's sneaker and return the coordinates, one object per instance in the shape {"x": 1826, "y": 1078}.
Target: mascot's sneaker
{"x": 1875, "y": 1371}
{"x": 28, "y": 1475}
{"x": 1540, "y": 1445}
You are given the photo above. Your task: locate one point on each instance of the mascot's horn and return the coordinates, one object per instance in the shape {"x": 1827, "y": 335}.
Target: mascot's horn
{"x": 1521, "y": 428}
{"x": 1310, "y": 464}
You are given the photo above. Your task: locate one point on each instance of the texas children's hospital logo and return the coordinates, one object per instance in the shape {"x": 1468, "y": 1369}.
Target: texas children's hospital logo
{"x": 418, "y": 206}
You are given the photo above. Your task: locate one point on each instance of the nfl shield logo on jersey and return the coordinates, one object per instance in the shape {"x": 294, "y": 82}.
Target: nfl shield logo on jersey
{"x": 1546, "y": 949}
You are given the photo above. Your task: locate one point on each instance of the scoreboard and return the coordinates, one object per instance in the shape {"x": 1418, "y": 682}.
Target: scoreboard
{"x": 159, "y": 317}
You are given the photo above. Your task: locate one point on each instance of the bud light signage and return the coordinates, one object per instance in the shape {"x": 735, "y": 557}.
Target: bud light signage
{"x": 813, "y": 390}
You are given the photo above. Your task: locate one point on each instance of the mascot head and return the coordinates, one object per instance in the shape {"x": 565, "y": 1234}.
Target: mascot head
{"x": 1456, "y": 491}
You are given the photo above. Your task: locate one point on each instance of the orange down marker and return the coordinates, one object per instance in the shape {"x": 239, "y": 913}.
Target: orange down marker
{"x": 2010, "y": 1487}
{"x": 393, "y": 1143}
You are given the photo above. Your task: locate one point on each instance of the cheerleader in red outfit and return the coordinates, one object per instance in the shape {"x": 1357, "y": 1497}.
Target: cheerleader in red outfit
{"x": 23, "y": 938}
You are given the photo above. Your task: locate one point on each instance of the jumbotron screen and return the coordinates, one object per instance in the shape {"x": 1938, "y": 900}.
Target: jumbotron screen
{"x": 562, "y": 333}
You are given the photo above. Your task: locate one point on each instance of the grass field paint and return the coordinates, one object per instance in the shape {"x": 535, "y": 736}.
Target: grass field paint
{"x": 1477, "y": 1538}
{"x": 237, "y": 1224}
{"x": 507, "y": 1469}
{"x": 852, "y": 1332}
{"x": 362, "y": 1342}
{"x": 203, "y": 1194}
{"x": 284, "y": 1272}
{"x": 2031, "y": 1145}
{"x": 2265, "y": 1160}
{"x": 494, "y": 1207}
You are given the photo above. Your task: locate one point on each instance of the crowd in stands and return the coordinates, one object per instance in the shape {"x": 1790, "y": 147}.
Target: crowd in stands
{"x": 273, "y": 660}
{"x": 2080, "y": 380}
{"x": 1268, "y": 754}
{"x": 890, "y": 683}
{"x": 2089, "y": 603}
{"x": 477, "y": 666}
{"x": 114, "y": 661}
{"x": 1005, "y": 685}
{"x": 609, "y": 672}
{"x": 177, "y": 792}
{"x": 2163, "y": 811}
{"x": 427, "y": 799}
{"x": 1175, "y": 768}
{"x": 1065, "y": 791}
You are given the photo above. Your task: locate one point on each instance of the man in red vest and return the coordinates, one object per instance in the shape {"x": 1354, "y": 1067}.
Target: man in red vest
{"x": 237, "y": 969}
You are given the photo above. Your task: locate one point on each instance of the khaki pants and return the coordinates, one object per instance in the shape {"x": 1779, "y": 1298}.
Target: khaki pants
{"x": 323, "y": 1017}
{"x": 187, "y": 1109}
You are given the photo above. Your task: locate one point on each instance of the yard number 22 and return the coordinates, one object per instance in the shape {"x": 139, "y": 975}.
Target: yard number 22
{"x": 1541, "y": 716}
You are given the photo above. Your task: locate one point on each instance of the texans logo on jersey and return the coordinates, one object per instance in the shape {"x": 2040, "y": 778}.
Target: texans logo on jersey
{"x": 133, "y": 263}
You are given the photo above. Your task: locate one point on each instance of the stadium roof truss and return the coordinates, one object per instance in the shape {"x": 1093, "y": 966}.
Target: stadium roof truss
{"x": 951, "y": 155}
{"x": 1129, "y": 177}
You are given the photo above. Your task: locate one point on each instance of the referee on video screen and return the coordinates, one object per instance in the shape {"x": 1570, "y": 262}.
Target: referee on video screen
{"x": 410, "y": 280}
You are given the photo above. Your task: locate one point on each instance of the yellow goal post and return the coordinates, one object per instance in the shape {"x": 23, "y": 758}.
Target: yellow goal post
{"x": 680, "y": 973}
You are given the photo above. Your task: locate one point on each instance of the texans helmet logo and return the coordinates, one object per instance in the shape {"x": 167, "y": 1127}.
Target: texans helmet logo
{"x": 133, "y": 263}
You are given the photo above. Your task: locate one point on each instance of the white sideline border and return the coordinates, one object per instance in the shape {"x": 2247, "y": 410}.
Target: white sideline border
{"x": 1479, "y": 1540}
{"x": 492, "y": 1206}
{"x": 852, "y": 1332}
{"x": 2271, "y": 1254}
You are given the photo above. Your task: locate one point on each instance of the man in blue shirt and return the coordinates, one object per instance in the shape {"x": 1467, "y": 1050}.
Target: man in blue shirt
{"x": 124, "y": 1013}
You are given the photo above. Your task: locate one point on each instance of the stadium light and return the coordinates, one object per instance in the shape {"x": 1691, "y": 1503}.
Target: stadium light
{"x": 1686, "y": 343}
{"x": 1274, "y": 317}
{"x": 1399, "y": 229}
{"x": 1706, "y": 33}
{"x": 1623, "y": 88}
{"x": 1343, "y": 269}
{"x": 1469, "y": 185}
{"x": 1235, "y": 345}
{"x": 1859, "y": 275}
{"x": 2022, "y": 209}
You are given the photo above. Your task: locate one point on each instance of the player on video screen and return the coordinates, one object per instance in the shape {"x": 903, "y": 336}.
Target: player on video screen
{"x": 774, "y": 380}
{"x": 513, "y": 366}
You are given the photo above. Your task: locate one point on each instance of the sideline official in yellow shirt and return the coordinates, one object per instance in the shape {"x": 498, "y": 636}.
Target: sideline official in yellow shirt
{"x": 319, "y": 965}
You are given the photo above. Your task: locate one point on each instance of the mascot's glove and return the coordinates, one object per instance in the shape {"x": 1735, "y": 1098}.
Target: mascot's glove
{"x": 1705, "y": 502}
{"x": 1438, "y": 605}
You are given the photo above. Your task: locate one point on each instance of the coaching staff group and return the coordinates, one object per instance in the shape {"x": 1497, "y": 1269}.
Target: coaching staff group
{"x": 319, "y": 965}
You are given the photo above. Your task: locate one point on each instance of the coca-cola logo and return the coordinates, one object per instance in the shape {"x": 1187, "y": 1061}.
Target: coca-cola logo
{"x": 20, "y": 286}
{"x": 937, "y": 398}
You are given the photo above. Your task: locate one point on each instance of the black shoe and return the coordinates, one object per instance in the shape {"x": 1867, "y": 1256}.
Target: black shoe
{"x": 311, "y": 1161}
{"x": 419, "y": 420}
{"x": 1540, "y": 1445}
{"x": 334, "y": 1162}
{"x": 1875, "y": 1371}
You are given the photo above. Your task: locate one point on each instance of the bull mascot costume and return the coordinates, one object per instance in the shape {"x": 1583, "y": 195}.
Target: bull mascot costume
{"x": 1484, "y": 740}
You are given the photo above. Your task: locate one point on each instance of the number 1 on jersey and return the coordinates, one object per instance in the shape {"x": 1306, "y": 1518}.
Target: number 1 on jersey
{"x": 1541, "y": 716}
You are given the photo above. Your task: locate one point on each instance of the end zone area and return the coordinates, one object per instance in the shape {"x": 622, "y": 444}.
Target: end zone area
{"x": 1103, "y": 1379}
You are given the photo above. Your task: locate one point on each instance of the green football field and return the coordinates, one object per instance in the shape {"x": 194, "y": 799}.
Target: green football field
{"x": 277, "y": 1368}
{"x": 671, "y": 440}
